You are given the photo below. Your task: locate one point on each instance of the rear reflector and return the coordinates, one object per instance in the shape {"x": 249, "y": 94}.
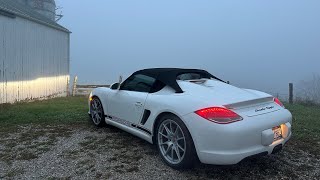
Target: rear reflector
{"x": 219, "y": 115}
{"x": 276, "y": 100}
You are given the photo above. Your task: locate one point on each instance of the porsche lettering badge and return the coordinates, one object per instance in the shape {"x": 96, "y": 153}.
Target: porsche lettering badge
{"x": 264, "y": 108}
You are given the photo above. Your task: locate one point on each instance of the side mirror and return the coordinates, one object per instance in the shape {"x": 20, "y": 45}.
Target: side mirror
{"x": 120, "y": 81}
{"x": 115, "y": 86}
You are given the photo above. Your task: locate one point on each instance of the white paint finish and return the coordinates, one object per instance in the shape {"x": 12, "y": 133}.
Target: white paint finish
{"x": 34, "y": 60}
{"x": 129, "y": 129}
{"x": 229, "y": 144}
{"x": 121, "y": 102}
{"x": 222, "y": 144}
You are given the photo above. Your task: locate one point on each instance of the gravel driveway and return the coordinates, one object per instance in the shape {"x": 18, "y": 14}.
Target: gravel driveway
{"x": 85, "y": 152}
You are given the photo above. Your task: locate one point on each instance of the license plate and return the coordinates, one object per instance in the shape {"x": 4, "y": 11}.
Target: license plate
{"x": 277, "y": 133}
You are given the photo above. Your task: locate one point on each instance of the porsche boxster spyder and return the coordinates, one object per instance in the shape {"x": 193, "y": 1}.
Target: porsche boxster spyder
{"x": 190, "y": 115}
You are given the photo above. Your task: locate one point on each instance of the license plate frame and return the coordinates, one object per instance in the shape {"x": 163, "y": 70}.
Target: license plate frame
{"x": 277, "y": 133}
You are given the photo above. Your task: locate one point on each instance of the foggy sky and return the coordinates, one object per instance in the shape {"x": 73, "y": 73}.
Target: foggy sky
{"x": 262, "y": 45}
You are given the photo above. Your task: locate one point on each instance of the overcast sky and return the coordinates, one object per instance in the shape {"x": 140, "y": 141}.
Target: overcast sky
{"x": 254, "y": 44}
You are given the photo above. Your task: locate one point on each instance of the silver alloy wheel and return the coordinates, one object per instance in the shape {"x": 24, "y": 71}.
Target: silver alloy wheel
{"x": 96, "y": 111}
{"x": 171, "y": 141}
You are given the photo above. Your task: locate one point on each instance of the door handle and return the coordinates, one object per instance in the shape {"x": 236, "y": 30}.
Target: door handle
{"x": 138, "y": 104}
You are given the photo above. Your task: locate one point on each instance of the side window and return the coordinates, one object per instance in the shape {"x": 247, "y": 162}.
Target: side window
{"x": 157, "y": 86}
{"x": 139, "y": 83}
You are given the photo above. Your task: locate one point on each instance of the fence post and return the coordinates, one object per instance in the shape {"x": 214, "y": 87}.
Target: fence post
{"x": 291, "y": 93}
{"x": 74, "y": 88}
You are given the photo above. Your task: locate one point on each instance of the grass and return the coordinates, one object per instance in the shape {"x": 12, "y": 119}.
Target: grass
{"x": 306, "y": 121}
{"x": 55, "y": 118}
{"x": 305, "y": 127}
{"x": 59, "y": 111}
{"x": 53, "y": 111}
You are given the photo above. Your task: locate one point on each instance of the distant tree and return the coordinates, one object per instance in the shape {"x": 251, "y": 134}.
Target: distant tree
{"x": 308, "y": 91}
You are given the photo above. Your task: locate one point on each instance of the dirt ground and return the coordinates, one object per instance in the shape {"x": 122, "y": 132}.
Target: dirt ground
{"x": 86, "y": 152}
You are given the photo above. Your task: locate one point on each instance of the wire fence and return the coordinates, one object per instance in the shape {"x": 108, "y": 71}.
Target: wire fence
{"x": 282, "y": 96}
{"x": 294, "y": 95}
{"x": 297, "y": 97}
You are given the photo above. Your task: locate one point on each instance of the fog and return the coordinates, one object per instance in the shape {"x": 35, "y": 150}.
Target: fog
{"x": 262, "y": 45}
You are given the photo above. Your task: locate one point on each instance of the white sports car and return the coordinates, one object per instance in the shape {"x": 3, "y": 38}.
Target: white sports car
{"x": 190, "y": 114}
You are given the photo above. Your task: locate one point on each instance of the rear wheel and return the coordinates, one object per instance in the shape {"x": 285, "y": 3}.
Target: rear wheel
{"x": 96, "y": 112}
{"x": 175, "y": 143}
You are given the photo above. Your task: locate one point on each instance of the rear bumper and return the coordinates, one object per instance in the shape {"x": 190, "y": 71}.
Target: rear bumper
{"x": 228, "y": 158}
{"x": 229, "y": 144}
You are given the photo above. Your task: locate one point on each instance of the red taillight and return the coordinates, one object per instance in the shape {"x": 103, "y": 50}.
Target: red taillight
{"x": 219, "y": 115}
{"x": 276, "y": 100}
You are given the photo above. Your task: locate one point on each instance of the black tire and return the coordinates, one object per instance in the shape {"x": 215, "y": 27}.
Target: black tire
{"x": 189, "y": 157}
{"x": 97, "y": 112}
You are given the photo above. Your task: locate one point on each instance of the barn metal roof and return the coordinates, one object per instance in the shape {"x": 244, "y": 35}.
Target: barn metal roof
{"x": 12, "y": 9}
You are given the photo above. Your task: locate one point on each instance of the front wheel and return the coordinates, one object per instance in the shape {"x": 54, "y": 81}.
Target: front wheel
{"x": 96, "y": 112}
{"x": 175, "y": 143}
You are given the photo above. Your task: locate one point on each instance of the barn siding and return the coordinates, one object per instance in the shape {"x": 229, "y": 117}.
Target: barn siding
{"x": 34, "y": 60}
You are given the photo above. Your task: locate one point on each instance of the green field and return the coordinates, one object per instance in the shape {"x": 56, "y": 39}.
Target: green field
{"x": 306, "y": 123}
{"x": 52, "y": 111}
{"x": 55, "y": 133}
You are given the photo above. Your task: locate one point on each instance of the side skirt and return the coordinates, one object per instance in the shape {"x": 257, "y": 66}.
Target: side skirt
{"x": 130, "y": 128}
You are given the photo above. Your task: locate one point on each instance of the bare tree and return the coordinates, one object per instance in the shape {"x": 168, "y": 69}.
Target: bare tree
{"x": 309, "y": 90}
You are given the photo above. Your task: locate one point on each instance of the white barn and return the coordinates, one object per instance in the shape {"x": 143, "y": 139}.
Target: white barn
{"x": 34, "y": 51}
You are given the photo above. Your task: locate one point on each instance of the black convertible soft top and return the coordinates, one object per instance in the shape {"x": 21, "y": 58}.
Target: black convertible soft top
{"x": 169, "y": 76}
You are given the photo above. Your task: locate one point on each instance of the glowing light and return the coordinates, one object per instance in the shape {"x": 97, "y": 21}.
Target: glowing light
{"x": 285, "y": 131}
{"x": 219, "y": 115}
{"x": 40, "y": 88}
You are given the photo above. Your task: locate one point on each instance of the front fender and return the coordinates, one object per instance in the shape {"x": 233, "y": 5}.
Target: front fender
{"x": 102, "y": 93}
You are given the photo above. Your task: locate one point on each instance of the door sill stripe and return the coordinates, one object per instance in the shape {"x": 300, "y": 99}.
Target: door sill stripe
{"x": 127, "y": 123}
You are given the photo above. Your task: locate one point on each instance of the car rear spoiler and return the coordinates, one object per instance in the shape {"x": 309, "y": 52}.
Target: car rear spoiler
{"x": 249, "y": 103}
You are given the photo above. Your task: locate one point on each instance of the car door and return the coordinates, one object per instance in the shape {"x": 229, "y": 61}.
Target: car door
{"x": 127, "y": 104}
